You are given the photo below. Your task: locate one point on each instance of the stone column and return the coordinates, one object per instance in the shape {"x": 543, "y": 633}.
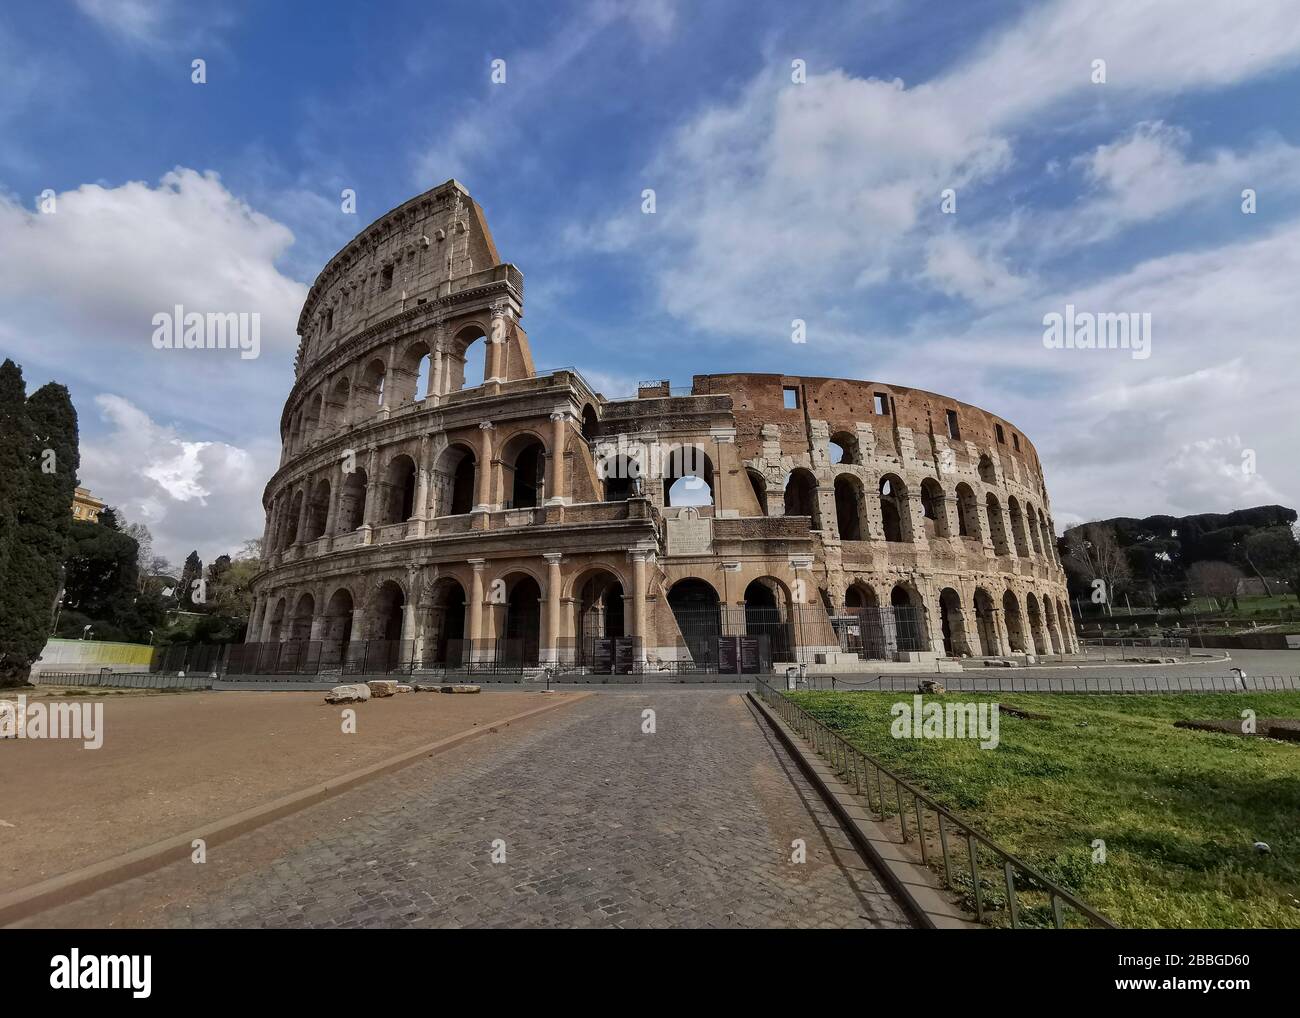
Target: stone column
{"x": 318, "y": 627}
{"x": 475, "y": 633}
{"x": 301, "y": 535}
{"x": 551, "y": 650}
{"x": 1000, "y": 632}
{"x": 332, "y": 513}
{"x": 420, "y": 511}
{"x": 494, "y": 357}
{"x": 370, "y": 509}
{"x": 358, "y": 625}
{"x": 408, "y": 630}
{"x": 557, "y": 483}
{"x": 436, "y": 382}
{"x": 484, "y": 478}
{"x": 638, "y": 602}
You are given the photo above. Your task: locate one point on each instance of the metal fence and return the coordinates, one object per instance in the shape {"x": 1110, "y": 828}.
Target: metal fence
{"x": 1117, "y": 648}
{"x": 124, "y": 680}
{"x": 998, "y": 887}
{"x": 1001, "y": 683}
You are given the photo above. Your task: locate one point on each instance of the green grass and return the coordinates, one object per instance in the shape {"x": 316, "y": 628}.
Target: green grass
{"x": 1179, "y": 810}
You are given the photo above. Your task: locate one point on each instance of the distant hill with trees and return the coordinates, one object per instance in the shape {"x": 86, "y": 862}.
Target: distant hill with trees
{"x": 1162, "y": 561}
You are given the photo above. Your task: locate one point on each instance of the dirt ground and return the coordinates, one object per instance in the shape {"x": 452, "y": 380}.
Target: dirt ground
{"x": 173, "y": 762}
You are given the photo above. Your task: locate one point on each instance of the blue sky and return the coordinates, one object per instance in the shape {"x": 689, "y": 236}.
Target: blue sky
{"x": 775, "y": 200}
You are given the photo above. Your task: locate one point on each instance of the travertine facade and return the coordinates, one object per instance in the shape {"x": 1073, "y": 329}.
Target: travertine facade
{"x": 523, "y": 510}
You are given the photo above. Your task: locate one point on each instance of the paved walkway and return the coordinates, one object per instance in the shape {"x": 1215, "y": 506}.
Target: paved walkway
{"x": 602, "y": 826}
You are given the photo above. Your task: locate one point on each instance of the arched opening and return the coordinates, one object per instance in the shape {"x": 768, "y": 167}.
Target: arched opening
{"x": 987, "y": 474}
{"x": 390, "y": 608}
{"x": 621, "y": 477}
{"x": 521, "y": 630}
{"x": 291, "y": 524}
{"x": 352, "y": 502}
{"x": 1035, "y": 624}
{"x": 336, "y": 408}
{"x": 1035, "y": 535}
{"x": 934, "y": 508}
{"x": 860, "y": 595}
{"x": 759, "y": 486}
{"x": 370, "y": 389}
{"x": 1017, "y": 526}
{"x": 1067, "y": 621}
{"x": 312, "y": 418}
{"x": 695, "y": 608}
{"x": 1053, "y": 633}
{"x": 909, "y": 619}
{"x": 336, "y": 633}
{"x": 295, "y": 432}
{"x": 300, "y": 623}
{"x": 600, "y": 619}
{"x": 968, "y": 517}
{"x": 399, "y": 482}
{"x": 848, "y": 507}
{"x": 767, "y": 616}
{"x": 1015, "y": 627}
{"x": 1049, "y": 539}
{"x": 318, "y": 510}
{"x": 956, "y": 643}
{"x": 590, "y": 424}
{"x": 985, "y": 623}
{"x": 688, "y": 477}
{"x": 454, "y": 479}
{"x": 895, "y": 515}
{"x": 414, "y": 375}
{"x": 524, "y": 463}
{"x": 844, "y": 448}
{"x": 466, "y": 362}
{"x": 997, "y": 525}
{"x": 444, "y": 643}
{"x": 801, "y": 495}
{"x": 276, "y": 629}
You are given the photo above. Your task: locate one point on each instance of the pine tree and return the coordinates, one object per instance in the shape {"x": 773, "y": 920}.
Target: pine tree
{"x": 35, "y": 567}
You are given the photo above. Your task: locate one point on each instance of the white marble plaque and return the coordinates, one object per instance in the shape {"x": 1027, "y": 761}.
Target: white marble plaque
{"x": 690, "y": 535}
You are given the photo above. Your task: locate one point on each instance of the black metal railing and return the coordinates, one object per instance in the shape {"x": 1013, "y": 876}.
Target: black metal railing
{"x": 1009, "y": 887}
{"x": 1093, "y": 684}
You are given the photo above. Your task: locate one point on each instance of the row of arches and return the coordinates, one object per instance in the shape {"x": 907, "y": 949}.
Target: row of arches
{"x": 1023, "y": 528}
{"x": 414, "y": 374}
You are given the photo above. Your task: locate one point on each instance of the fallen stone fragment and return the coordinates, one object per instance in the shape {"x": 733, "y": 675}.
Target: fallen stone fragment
{"x": 354, "y": 693}
{"x": 403, "y": 688}
{"x": 382, "y": 687}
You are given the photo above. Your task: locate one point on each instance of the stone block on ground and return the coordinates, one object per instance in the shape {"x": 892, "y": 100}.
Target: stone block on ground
{"x": 352, "y": 693}
{"x": 382, "y": 687}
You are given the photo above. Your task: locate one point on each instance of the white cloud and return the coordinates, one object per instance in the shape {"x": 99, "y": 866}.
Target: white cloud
{"x": 155, "y": 24}
{"x": 191, "y": 494}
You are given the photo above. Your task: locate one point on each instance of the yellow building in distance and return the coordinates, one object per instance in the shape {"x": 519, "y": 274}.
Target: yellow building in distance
{"x": 86, "y": 506}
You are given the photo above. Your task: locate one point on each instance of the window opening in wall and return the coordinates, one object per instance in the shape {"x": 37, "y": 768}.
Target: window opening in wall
{"x": 1002, "y": 438}
{"x": 1015, "y": 440}
{"x": 954, "y": 431}
{"x": 791, "y": 398}
{"x": 386, "y": 278}
{"x": 882, "y": 404}
{"x": 329, "y": 319}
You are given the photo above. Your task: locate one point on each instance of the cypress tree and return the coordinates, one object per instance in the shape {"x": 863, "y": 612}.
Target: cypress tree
{"x": 14, "y": 440}
{"x": 35, "y": 565}
{"x": 193, "y": 571}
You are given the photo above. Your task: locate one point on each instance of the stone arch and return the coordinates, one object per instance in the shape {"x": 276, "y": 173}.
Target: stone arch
{"x": 413, "y": 375}
{"x": 968, "y": 516}
{"x": 768, "y": 614}
{"x": 908, "y": 609}
{"x": 275, "y": 631}
{"x": 304, "y": 612}
{"x": 758, "y": 484}
{"x": 934, "y": 508}
{"x": 1014, "y": 623}
{"x": 523, "y": 465}
{"x": 388, "y": 612}
{"x": 697, "y": 611}
{"x": 1053, "y": 632}
{"x": 467, "y": 361}
{"x": 997, "y": 525}
{"x": 399, "y": 489}
{"x": 352, "y": 502}
{"x": 312, "y": 417}
{"x": 952, "y": 622}
{"x": 801, "y": 495}
{"x": 860, "y": 594}
{"x": 370, "y": 395}
{"x": 849, "y": 502}
{"x": 598, "y": 599}
{"x": 337, "y": 409}
{"x": 688, "y": 477}
{"x": 318, "y": 510}
{"x": 590, "y": 423}
{"x": 620, "y": 476}
{"x": 1035, "y": 624}
{"x": 986, "y": 626}
{"x": 847, "y": 445}
{"x": 988, "y": 473}
{"x": 1017, "y": 526}
{"x": 445, "y": 628}
{"x": 519, "y": 627}
{"x": 336, "y": 629}
{"x": 1031, "y": 522}
{"x": 1067, "y": 625}
{"x": 295, "y": 514}
{"x": 455, "y": 479}
{"x": 895, "y": 509}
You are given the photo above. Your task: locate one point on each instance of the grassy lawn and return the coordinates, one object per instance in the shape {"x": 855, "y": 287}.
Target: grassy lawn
{"x": 1179, "y": 810}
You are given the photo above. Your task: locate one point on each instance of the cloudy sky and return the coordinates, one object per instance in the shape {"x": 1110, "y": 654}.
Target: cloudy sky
{"x": 776, "y": 199}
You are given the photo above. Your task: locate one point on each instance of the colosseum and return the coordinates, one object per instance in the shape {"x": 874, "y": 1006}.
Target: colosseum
{"x": 424, "y": 518}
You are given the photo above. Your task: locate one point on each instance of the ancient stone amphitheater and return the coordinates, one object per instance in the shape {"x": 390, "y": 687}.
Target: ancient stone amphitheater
{"x": 426, "y": 519}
